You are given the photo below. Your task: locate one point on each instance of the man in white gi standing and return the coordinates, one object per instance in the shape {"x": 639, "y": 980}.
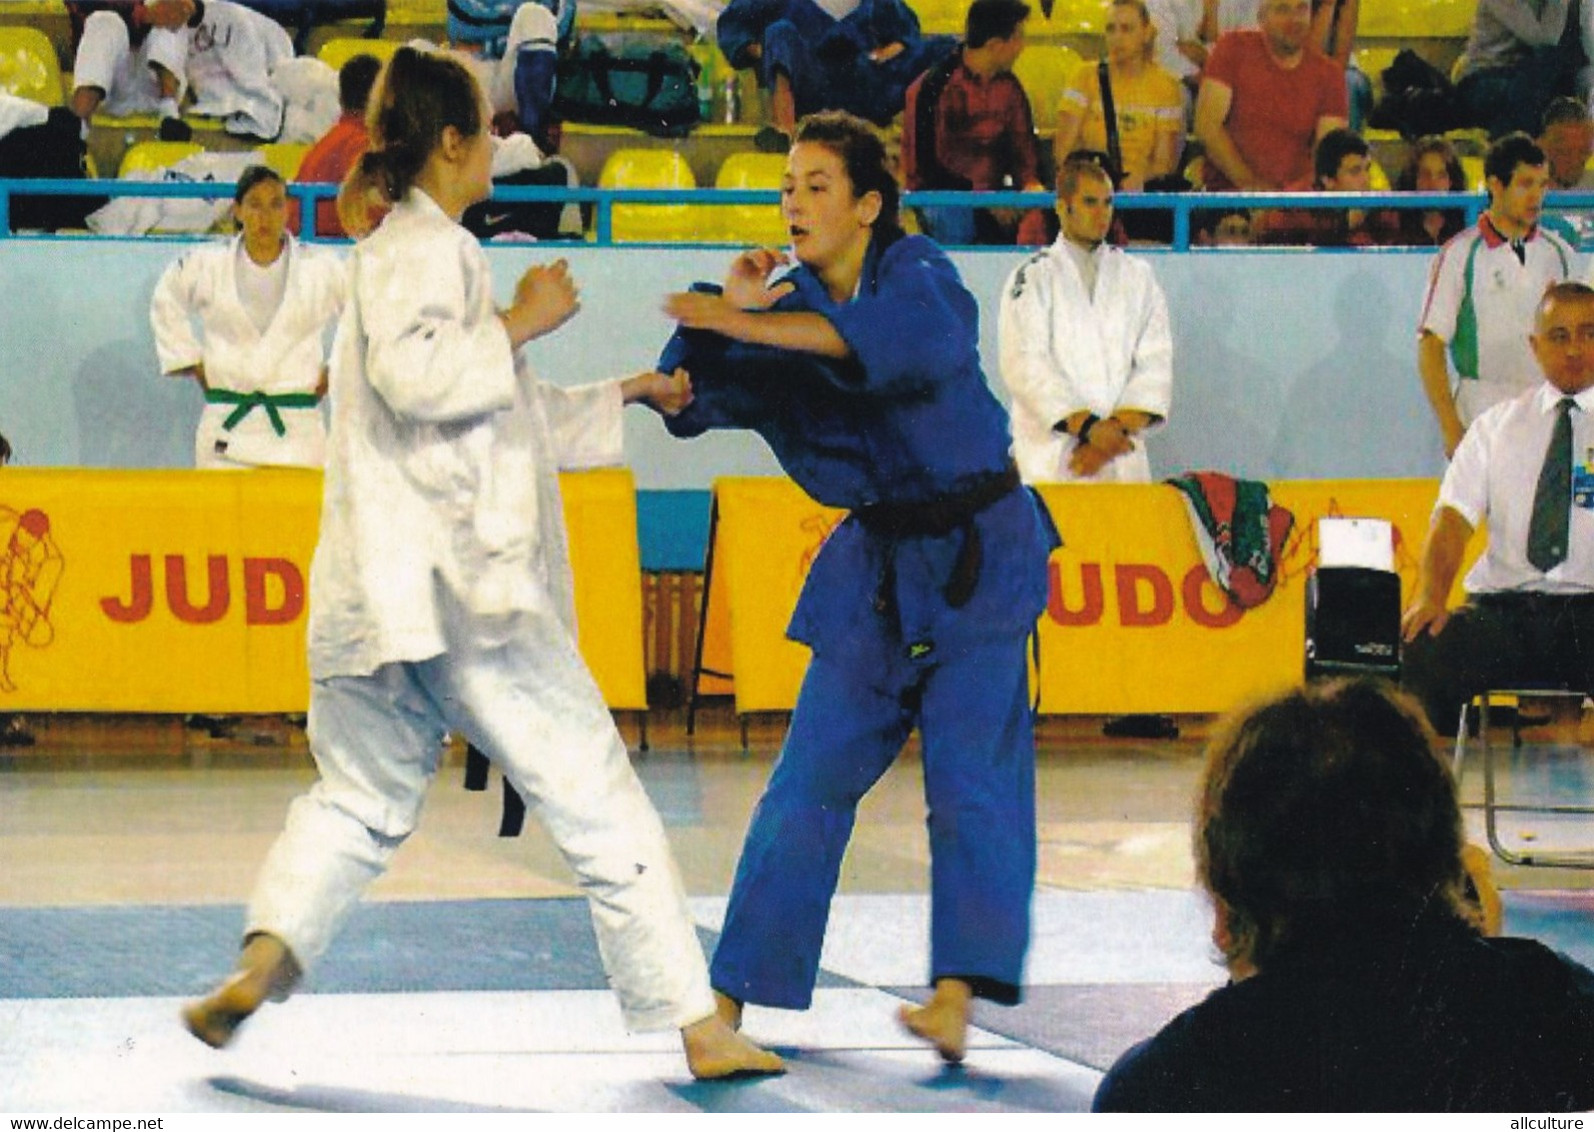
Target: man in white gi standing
{"x": 1086, "y": 350}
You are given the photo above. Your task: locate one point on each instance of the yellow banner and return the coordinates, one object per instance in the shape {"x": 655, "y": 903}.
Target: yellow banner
{"x": 186, "y": 591}
{"x": 1133, "y": 622}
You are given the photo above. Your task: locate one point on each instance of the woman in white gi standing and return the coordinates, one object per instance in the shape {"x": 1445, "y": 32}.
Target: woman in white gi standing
{"x": 441, "y": 592}
{"x": 263, "y": 302}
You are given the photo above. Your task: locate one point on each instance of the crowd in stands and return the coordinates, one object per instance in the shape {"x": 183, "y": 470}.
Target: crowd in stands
{"x": 1188, "y": 95}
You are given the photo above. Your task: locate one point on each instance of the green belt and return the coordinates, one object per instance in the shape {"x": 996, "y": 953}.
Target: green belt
{"x": 270, "y": 402}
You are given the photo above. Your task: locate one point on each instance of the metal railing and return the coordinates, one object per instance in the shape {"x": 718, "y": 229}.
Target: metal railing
{"x": 603, "y": 201}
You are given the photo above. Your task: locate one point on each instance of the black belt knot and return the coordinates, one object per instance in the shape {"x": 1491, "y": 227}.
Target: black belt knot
{"x": 936, "y": 518}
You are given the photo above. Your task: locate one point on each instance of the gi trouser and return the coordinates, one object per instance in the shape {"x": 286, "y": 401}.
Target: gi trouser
{"x": 106, "y": 59}
{"x": 979, "y": 778}
{"x": 531, "y": 705}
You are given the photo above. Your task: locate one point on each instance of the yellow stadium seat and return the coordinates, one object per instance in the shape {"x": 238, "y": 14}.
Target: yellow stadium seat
{"x": 1377, "y": 179}
{"x": 29, "y": 67}
{"x": 284, "y": 157}
{"x": 1472, "y": 166}
{"x": 1045, "y": 70}
{"x": 336, "y": 52}
{"x": 1072, "y": 17}
{"x": 1449, "y": 19}
{"x": 652, "y": 223}
{"x": 757, "y": 224}
{"x": 1415, "y": 19}
{"x": 148, "y": 156}
{"x": 940, "y": 17}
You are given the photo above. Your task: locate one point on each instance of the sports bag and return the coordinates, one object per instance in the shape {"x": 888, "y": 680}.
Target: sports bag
{"x": 645, "y": 84}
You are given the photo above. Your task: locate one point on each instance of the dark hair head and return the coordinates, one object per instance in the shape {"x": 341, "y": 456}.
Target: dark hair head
{"x": 1334, "y": 147}
{"x": 252, "y": 176}
{"x": 1325, "y": 816}
{"x": 1507, "y": 153}
{"x": 355, "y": 80}
{"x": 1422, "y": 147}
{"x": 418, "y": 95}
{"x": 1564, "y": 109}
{"x": 863, "y": 155}
{"x": 1080, "y": 165}
{"x": 993, "y": 19}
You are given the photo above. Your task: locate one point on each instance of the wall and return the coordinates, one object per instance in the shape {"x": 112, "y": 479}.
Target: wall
{"x": 1290, "y": 365}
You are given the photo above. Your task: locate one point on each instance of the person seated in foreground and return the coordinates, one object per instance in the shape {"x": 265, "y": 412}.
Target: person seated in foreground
{"x": 1330, "y": 841}
{"x": 1343, "y": 163}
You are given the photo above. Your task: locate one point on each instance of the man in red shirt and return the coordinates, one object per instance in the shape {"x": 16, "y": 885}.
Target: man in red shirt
{"x": 331, "y": 158}
{"x": 1267, "y": 95}
{"x": 967, "y": 126}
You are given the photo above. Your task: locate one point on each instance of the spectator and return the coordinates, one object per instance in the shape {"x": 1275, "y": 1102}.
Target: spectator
{"x": 263, "y": 301}
{"x": 330, "y": 158}
{"x": 1148, "y": 106}
{"x": 1334, "y": 33}
{"x": 1330, "y": 842}
{"x": 1529, "y": 614}
{"x": 1434, "y": 168}
{"x": 1267, "y": 95}
{"x": 1086, "y": 350}
{"x": 1222, "y": 227}
{"x": 228, "y": 57}
{"x": 1343, "y": 164}
{"x": 1520, "y": 55}
{"x": 1567, "y": 139}
{"x": 130, "y": 60}
{"x": 1482, "y": 292}
{"x": 968, "y": 126}
{"x": 853, "y": 55}
{"x": 1179, "y": 48}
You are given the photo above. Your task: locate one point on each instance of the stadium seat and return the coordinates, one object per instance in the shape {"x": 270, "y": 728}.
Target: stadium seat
{"x": 1415, "y": 19}
{"x": 284, "y": 157}
{"x": 1045, "y": 70}
{"x": 336, "y": 52}
{"x": 147, "y": 156}
{"x": 1472, "y": 166}
{"x": 29, "y": 67}
{"x": 757, "y": 224}
{"x": 652, "y": 223}
{"x": 940, "y": 17}
{"x": 1448, "y": 19}
{"x": 1072, "y": 17}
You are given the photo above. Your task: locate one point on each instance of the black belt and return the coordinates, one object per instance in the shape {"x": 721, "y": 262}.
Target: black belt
{"x": 936, "y": 518}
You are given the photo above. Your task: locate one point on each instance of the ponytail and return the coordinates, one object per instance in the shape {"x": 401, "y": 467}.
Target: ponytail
{"x": 418, "y": 95}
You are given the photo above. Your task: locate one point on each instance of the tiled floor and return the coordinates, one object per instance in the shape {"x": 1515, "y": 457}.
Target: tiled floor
{"x": 470, "y": 982}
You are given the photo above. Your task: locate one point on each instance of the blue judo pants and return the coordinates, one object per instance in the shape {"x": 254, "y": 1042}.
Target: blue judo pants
{"x": 973, "y": 716}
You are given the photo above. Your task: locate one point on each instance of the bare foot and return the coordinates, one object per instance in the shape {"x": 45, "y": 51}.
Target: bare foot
{"x": 944, "y": 1020}
{"x": 266, "y": 969}
{"x": 728, "y": 1009}
{"x": 715, "y": 1051}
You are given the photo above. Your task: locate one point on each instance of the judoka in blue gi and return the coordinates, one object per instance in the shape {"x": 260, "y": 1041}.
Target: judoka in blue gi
{"x": 859, "y": 367}
{"x": 811, "y": 58}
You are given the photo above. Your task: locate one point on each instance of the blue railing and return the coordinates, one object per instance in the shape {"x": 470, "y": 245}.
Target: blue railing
{"x": 1182, "y": 205}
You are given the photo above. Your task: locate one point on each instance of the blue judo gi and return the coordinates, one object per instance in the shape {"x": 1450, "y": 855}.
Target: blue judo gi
{"x": 826, "y": 59}
{"x": 917, "y": 610}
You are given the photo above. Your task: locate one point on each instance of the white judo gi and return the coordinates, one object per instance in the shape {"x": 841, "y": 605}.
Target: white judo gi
{"x": 107, "y": 59}
{"x": 229, "y": 56}
{"x": 441, "y": 598}
{"x": 284, "y": 359}
{"x": 1064, "y": 350}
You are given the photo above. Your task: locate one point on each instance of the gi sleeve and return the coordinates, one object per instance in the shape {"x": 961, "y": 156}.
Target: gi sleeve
{"x": 584, "y": 422}
{"x": 171, "y": 311}
{"x": 1150, "y": 385}
{"x": 436, "y": 350}
{"x": 906, "y": 329}
{"x": 1034, "y": 378}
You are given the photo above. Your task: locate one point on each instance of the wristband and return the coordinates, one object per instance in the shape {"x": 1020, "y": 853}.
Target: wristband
{"x": 1090, "y": 422}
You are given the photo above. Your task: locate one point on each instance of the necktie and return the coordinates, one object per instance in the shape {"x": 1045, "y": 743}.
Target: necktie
{"x": 1552, "y": 500}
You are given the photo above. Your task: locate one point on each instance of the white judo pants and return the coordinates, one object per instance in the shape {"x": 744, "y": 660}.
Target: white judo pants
{"x": 106, "y": 59}
{"x": 532, "y": 707}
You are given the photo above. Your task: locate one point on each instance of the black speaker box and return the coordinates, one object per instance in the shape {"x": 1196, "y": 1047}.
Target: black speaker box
{"x": 1352, "y": 622}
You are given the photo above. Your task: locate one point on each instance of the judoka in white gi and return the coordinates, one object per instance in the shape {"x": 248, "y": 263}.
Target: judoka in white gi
{"x": 264, "y": 303}
{"x": 230, "y": 52}
{"x": 441, "y": 595}
{"x": 1085, "y": 347}
{"x": 131, "y": 60}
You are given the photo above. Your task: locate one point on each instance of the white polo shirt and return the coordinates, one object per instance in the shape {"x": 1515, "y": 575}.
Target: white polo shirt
{"x": 1493, "y": 477}
{"x": 1481, "y": 301}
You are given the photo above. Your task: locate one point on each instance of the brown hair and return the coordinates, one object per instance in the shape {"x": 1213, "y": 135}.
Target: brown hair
{"x": 863, "y": 155}
{"x": 418, "y": 95}
{"x": 1325, "y": 817}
